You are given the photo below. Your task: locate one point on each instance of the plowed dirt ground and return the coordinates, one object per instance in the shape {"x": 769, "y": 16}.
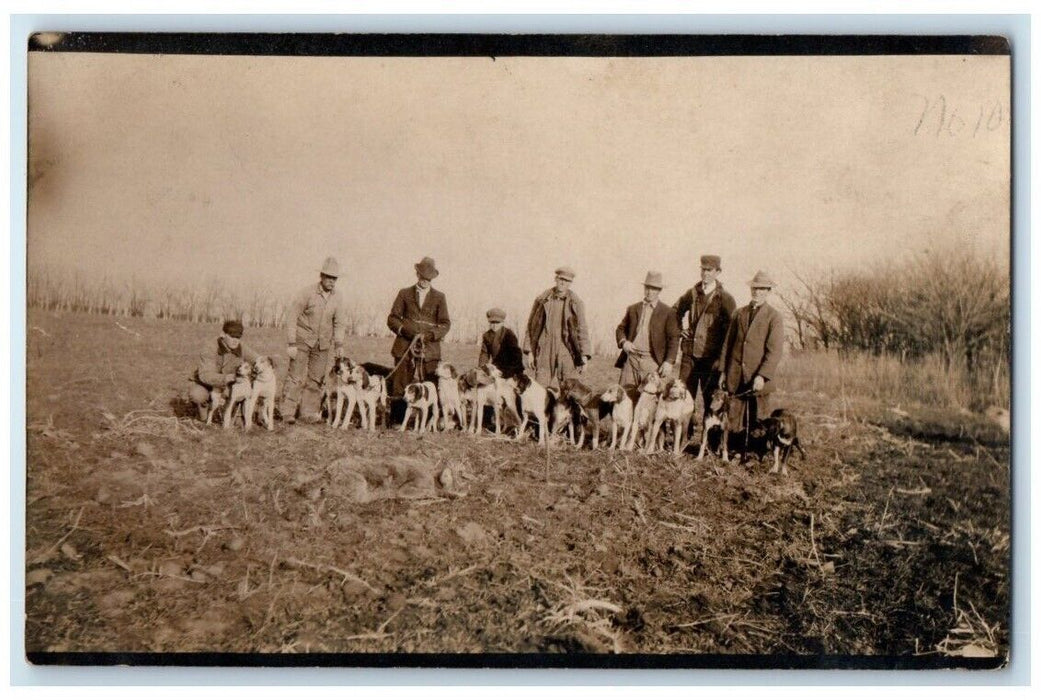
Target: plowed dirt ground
{"x": 150, "y": 532}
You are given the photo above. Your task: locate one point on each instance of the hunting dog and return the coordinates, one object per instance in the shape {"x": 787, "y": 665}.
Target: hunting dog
{"x": 587, "y": 409}
{"x": 778, "y": 433}
{"x": 562, "y": 415}
{"x": 448, "y": 395}
{"x": 339, "y": 389}
{"x": 716, "y": 418}
{"x": 239, "y": 393}
{"x": 421, "y": 397}
{"x": 263, "y": 389}
{"x": 620, "y": 402}
{"x": 675, "y": 408}
{"x": 218, "y": 397}
{"x": 484, "y": 387}
{"x": 534, "y": 401}
{"x": 372, "y": 396}
{"x": 643, "y": 412}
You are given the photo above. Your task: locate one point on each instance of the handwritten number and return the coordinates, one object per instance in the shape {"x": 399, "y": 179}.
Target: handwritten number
{"x": 950, "y": 123}
{"x": 921, "y": 118}
{"x": 954, "y": 124}
{"x": 998, "y": 112}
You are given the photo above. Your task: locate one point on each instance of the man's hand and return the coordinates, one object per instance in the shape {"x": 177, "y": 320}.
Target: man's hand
{"x": 627, "y": 346}
{"x": 585, "y": 361}
{"x": 526, "y": 360}
{"x": 291, "y": 352}
{"x": 665, "y": 369}
{"x": 228, "y": 378}
{"x": 338, "y": 352}
{"x": 428, "y": 336}
{"x": 758, "y": 383}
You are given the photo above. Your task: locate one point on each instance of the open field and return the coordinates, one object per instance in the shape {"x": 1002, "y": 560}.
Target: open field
{"x": 148, "y": 532}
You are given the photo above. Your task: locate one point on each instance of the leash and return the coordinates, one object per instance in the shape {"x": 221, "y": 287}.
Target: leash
{"x": 748, "y": 428}
{"x": 417, "y": 348}
{"x": 408, "y": 353}
{"x": 748, "y": 412}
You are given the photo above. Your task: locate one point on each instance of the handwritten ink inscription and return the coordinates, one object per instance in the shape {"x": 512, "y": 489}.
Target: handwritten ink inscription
{"x": 940, "y": 117}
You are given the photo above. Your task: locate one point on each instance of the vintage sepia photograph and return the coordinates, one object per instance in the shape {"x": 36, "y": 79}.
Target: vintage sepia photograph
{"x": 518, "y": 350}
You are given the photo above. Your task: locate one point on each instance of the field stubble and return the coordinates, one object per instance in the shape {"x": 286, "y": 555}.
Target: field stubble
{"x": 147, "y": 531}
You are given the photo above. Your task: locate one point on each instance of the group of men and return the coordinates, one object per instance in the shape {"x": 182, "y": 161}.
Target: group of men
{"x": 716, "y": 344}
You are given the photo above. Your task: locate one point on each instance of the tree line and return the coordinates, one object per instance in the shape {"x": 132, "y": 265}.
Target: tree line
{"x": 955, "y": 304}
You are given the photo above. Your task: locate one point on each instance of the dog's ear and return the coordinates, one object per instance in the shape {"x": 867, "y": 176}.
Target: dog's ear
{"x": 365, "y": 381}
{"x": 452, "y": 371}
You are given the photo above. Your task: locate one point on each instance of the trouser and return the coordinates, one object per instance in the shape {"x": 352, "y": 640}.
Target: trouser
{"x": 697, "y": 372}
{"x": 746, "y": 410}
{"x": 303, "y": 385}
{"x": 552, "y": 367}
{"x": 636, "y": 368}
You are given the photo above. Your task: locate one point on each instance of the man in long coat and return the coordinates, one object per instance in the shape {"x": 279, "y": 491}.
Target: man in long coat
{"x": 316, "y": 325}
{"x": 751, "y": 354}
{"x": 557, "y": 343}
{"x": 707, "y": 309}
{"x": 648, "y": 336}
{"x": 419, "y": 319}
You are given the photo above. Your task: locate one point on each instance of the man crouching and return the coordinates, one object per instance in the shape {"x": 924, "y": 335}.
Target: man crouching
{"x": 217, "y": 365}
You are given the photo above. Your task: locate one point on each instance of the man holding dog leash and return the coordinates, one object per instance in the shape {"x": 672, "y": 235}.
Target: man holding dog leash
{"x": 419, "y": 319}
{"x": 752, "y": 350}
{"x": 316, "y": 325}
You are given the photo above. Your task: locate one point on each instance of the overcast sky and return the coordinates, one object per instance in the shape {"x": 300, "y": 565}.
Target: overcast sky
{"x": 187, "y": 168}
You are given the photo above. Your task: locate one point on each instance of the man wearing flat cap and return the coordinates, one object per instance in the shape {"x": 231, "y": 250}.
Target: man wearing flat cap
{"x": 751, "y": 354}
{"x": 315, "y": 326}
{"x": 557, "y": 343}
{"x": 704, "y": 313}
{"x": 500, "y": 347}
{"x": 419, "y": 319}
{"x": 217, "y": 365}
{"x": 648, "y": 336}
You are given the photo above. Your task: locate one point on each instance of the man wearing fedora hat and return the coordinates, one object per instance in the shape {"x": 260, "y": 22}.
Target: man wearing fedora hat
{"x": 419, "y": 319}
{"x": 217, "y": 364}
{"x": 557, "y": 343}
{"x": 316, "y": 325}
{"x": 751, "y": 353}
{"x": 703, "y": 312}
{"x": 500, "y": 347}
{"x": 648, "y": 336}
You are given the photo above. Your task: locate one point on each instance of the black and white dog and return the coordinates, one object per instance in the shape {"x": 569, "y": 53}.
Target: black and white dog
{"x": 778, "y": 434}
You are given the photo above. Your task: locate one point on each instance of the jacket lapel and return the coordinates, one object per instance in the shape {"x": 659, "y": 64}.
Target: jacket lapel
{"x": 496, "y": 342}
{"x": 660, "y": 310}
{"x": 760, "y": 317}
{"x": 745, "y": 318}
